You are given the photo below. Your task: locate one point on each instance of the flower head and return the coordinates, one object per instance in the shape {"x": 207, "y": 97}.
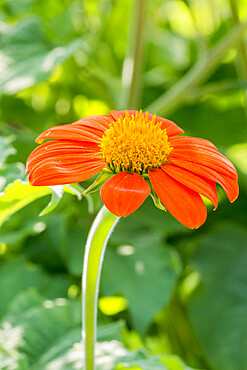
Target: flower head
{"x": 142, "y": 155}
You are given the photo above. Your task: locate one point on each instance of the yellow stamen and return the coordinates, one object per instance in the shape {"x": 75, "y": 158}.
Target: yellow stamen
{"x": 135, "y": 144}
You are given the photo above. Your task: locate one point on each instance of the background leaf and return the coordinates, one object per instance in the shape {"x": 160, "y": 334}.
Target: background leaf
{"x": 26, "y": 276}
{"x": 145, "y": 273}
{"x": 28, "y": 58}
{"x": 222, "y": 288}
{"x": 18, "y": 195}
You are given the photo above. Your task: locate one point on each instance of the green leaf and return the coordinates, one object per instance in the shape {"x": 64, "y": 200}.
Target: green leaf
{"x": 74, "y": 260}
{"x": 10, "y": 358}
{"x": 145, "y": 272}
{"x": 16, "y": 275}
{"x": 17, "y": 195}
{"x": 218, "y": 307}
{"x": 65, "y": 351}
{"x": 111, "y": 355}
{"x": 42, "y": 323}
{"x": 147, "y": 219}
{"x": 14, "y": 234}
{"x": 56, "y": 338}
{"x": 175, "y": 363}
{"x": 45, "y": 329}
{"x": 140, "y": 360}
{"x": 27, "y": 57}
{"x": 52, "y": 250}
{"x": 23, "y": 301}
{"x": 6, "y": 149}
{"x": 20, "y": 193}
{"x": 11, "y": 172}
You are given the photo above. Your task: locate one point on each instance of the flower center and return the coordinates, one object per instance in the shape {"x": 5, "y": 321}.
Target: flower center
{"x": 135, "y": 144}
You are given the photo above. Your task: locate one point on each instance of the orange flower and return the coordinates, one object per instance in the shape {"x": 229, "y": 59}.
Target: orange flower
{"x": 142, "y": 154}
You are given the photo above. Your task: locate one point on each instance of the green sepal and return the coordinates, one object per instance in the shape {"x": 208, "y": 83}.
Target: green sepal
{"x": 156, "y": 200}
{"x": 56, "y": 196}
{"x": 78, "y": 190}
{"x": 96, "y": 185}
{"x": 75, "y": 189}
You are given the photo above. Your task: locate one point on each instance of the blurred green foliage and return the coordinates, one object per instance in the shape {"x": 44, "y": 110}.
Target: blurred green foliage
{"x": 177, "y": 296}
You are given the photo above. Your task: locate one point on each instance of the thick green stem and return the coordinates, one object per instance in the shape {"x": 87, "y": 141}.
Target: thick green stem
{"x": 93, "y": 259}
{"x": 174, "y": 98}
{"x": 241, "y": 62}
{"x": 138, "y": 54}
{"x": 242, "y": 47}
{"x": 133, "y": 62}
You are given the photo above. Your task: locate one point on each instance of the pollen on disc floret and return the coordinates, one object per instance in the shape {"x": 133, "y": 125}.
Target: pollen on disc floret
{"x": 135, "y": 143}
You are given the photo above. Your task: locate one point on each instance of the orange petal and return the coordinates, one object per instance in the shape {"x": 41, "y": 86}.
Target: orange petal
{"x": 123, "y": 193}
{"x": 184, "y": 204}
{"x": 228, "y": 184}
{"x": 193, "y": 181}
{"x": 101, "y": 122}
{"x": 204, "y": 156}
{"x": 53, "y": 171}
{"x": 63, "y": 148}
{"x": 116, "y": 114}
{"x": 180, "y": 141}
{"x": 171, "y": 127}
{"x": 75, "y": 132}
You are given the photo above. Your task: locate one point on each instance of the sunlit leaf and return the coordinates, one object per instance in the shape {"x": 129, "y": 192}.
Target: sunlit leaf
{"x": 20, "y": 193}
{"x": 27, "y": 58}
{"x": 175, "y": 363}
{"x": 112, "y": 305}
{"x": 17, "y": 196}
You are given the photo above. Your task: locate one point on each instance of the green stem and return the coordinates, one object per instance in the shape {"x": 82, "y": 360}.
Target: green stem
{"x": 242, "y": 48}
{"x": 199, "y": 92}
{"x": 214, "y": 12}
{"x": 93, "y": 259}
{"x": 175, "y": 97}
{"x": 202, "y": 42}
{"x": 138, "y": 54}
{"x": 133, "y": 62}
{"x": 241, "y": 62}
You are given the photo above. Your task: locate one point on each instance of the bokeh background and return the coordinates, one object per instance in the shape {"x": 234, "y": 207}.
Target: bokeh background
{"x": 170, "y": 298}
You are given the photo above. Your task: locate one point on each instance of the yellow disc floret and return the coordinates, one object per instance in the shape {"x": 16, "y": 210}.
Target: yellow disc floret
{"x": 135, "y": 143}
